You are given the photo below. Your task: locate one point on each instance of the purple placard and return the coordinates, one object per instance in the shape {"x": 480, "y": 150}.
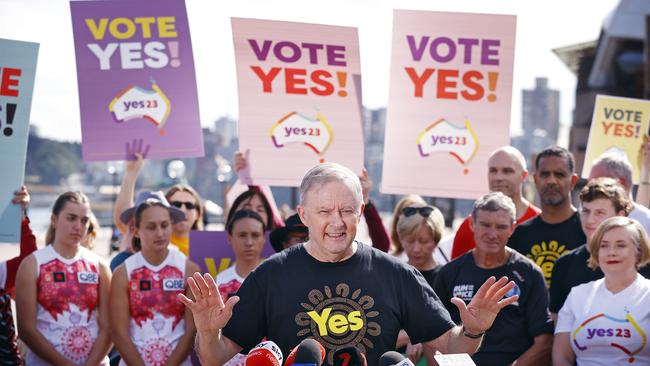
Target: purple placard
{"x": 211, "y": 251}
{"x": 136, "y": 79}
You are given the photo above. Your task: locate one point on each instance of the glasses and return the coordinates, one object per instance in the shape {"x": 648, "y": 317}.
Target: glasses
{"x": 424, "y": 211}
{"x": 179, "y": 204}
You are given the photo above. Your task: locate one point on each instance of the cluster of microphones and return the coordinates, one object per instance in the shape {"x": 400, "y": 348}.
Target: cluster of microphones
{"x": 311, "y": 353}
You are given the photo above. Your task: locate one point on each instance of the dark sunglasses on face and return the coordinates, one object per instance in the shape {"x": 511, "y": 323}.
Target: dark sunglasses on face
{"x": 424, "y": 211}
{"x": 179, "y": 204}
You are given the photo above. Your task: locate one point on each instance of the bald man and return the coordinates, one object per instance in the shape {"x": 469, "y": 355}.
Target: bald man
{"x": 506, "y": 174}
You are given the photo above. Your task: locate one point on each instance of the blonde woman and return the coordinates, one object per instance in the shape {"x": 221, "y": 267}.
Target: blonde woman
{"x": 605, "y": 322}
{"x": 397, "y": 249}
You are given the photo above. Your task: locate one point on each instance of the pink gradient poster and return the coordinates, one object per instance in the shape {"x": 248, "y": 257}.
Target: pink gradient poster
{"x": 299, "y": 98}
{"x": 449, "y": 102}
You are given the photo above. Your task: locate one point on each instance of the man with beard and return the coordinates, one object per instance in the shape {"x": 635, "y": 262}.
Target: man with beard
{"x": 557, "y": 229}
{"x": 507, "y": 172}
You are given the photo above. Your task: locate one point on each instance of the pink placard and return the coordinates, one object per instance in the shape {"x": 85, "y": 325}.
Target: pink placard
{"x": 299, "y": 98}
{"x": 449, "y": 104}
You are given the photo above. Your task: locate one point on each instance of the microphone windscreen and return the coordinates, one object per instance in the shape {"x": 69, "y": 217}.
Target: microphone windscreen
{"x": 310, "y": 351}
{"x": 349, "y": 356}
{"x": 291, "y": 358}
{"x": 390, "y": 358}
{"x": 265, "y": 354}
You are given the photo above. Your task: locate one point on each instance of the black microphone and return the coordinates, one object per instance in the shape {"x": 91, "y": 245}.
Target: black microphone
{"x": 392, "y": 358}
{"x": 309, "y": 352}
{"x": 349, "y": 356}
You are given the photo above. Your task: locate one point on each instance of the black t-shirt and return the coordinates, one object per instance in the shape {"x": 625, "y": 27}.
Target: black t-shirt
{"x": 430, "y": 275}
{"x": 362, "y": 301}
{"x": 571, "y": 270}
{"x": 516, "y": 325}
{"x": 544, "y": 243}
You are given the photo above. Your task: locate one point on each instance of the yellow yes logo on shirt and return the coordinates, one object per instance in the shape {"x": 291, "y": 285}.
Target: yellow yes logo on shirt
{"x": 545, "y": 255}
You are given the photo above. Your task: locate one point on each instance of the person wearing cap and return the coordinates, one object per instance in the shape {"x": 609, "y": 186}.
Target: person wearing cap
{"x": 149, "y": 326}
{"x": 294, "y": 232}
{"x": 126, "y": 220}
{"x": 181, "y": 196}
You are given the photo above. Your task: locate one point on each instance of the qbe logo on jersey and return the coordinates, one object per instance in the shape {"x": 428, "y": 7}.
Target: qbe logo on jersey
{"x": 88, "y": 277}
{"x": 173, "y": 284}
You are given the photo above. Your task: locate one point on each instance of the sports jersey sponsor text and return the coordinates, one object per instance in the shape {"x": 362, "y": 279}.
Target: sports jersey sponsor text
{"x": 173, "y": 284}
{"x": 88, "y": 277}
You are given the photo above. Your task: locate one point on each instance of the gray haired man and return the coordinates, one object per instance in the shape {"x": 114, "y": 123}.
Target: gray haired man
{"x": 522, "y": 331}
{"x": 617, "y": 166}
{"x": 335, "y": 290}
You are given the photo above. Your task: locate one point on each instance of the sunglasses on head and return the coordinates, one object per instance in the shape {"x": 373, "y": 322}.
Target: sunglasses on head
{"x": 179, "y": 204}
{"x": 424, "y": 211}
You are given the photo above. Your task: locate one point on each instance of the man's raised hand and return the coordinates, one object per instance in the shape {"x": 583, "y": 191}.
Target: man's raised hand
{"x": 209, "y": 311}
{"x": 479, "y": 314}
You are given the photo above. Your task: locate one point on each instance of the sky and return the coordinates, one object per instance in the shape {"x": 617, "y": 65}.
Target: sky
{"x": 541, "y": 27}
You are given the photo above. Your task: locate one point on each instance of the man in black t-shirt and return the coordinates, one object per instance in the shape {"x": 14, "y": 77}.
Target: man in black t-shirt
{"x": 557, "y": 229}
{"x": 523, "y": 331}
{"x": 335, "y": 290}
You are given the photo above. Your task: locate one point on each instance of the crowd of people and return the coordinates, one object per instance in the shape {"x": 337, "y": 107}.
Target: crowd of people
{"x": 524, "y": 285}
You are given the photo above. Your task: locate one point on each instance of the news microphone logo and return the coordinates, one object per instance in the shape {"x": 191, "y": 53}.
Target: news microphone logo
{"x": 349, "y": 356}
{"x": 265, "y": 354}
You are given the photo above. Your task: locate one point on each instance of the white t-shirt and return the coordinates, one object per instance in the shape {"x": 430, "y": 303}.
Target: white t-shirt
{"x": 605, "y": 328}
{"x": 641, "y": 214}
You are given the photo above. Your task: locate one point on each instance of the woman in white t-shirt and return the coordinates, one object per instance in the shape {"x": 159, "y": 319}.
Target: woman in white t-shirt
{"x": 246, "y": 236}
{"x": 605, "y": 322}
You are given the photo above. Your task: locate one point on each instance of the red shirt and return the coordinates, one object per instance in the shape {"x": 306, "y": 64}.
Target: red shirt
{"x": 464, "y": 239}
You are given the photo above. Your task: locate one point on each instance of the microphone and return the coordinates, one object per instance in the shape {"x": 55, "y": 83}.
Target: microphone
{"x": 349, "y": 356}
{"x": 392, "y": 358}
{"x": 266, "y": 353}
{"x": 308, "y": 352}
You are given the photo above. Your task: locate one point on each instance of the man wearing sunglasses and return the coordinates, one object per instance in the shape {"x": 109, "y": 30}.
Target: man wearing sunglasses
{"x": 523, "y": 331}
{"x": 507, "y": 173}
{"x": 336, "y": 290}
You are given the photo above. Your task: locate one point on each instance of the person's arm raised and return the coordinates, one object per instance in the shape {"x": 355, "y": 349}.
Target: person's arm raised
{"x": 376, "y": 230}
{"x": 643, "y": 193}
{"x": 476, "y": 317}
{"x": 210, "y": 316}
{"x": 126, "y": 195}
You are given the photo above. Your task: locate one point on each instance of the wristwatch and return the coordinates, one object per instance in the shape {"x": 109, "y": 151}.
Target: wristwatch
{"x": 473, "y": 336}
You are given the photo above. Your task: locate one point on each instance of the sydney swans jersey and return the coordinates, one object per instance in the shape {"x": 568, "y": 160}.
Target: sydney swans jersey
{"x": 157, "y": 317}
{"x": 67, "y": 299}
{"x": 362, "y": 301}
{"x": 605, "y": 328}
{"x": 228, "y": 282}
